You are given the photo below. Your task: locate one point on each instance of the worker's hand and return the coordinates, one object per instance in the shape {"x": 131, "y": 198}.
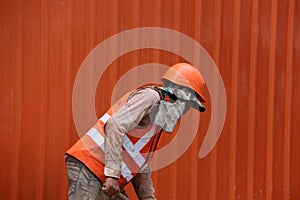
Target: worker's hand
{"x": 111, "y": 188}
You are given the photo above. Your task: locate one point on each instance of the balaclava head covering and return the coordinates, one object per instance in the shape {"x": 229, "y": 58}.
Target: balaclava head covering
{"x": 169, "y": 112}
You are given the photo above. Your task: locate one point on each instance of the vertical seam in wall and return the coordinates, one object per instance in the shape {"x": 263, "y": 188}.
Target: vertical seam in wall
{"x": 178, "y": 22}
{"x": 14, "y": 186}
{"x": 69, "y": 81}
{"x": 252, "y": 105}
{"x": 271, "y": 91}
{"x": 194, "y": 181}
{"x": 288, "y": 101}
{"x": 233, "y": 106}
{"x": 69, "y": 60}
{"x": 44, "y": 90}
{"x": 216, "y": 56}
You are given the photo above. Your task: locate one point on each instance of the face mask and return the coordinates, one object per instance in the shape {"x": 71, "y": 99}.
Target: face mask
{"x": 168, "y": 114}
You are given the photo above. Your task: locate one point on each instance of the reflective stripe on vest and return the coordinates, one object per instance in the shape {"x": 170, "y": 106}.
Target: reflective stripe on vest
{"x": 132, "y": 149}
{"x": 99, "y": 140}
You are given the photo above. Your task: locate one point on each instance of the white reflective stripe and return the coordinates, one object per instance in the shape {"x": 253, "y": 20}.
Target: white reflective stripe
{"x": 126, "y": 173}
{"x": 140, "y": 143}
{"x": 145, "y": 139}
{"x": 99, "y": 139}
{"x": 105, "y": 117}
{"x": 132, "y": 149}
{"x": 133, "y": 152}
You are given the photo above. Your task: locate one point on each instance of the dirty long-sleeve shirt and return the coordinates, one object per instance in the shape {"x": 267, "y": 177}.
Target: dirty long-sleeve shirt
{"x": 136, "y": 111}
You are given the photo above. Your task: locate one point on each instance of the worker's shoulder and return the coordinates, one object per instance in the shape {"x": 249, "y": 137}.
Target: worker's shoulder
{"x": 147, "y": 93}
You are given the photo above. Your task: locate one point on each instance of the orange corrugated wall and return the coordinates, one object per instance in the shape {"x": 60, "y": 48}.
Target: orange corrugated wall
{"x": 255, "y": 44}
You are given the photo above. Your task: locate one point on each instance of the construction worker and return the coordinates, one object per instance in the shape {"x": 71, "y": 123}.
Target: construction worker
{"x": 116, "y": 150}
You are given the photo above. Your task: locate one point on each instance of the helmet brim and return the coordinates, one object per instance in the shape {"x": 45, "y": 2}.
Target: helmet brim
{"x": 198, "y": 105}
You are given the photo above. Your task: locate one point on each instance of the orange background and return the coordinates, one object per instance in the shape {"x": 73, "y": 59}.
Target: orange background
{"x": 255, "y": 44}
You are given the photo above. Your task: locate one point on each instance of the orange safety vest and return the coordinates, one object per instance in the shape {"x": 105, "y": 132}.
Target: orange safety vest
{"x": 138, "y": 147}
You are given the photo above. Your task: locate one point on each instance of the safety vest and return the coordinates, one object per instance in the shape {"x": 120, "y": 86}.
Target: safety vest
{"x": 138, "y": 147}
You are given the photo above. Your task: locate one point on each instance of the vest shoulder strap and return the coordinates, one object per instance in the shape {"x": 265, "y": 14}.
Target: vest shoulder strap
{"x": 165, "y": 94}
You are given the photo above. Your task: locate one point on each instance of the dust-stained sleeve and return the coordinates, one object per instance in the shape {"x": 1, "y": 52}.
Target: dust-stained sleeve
{"x": 139, "y": 105}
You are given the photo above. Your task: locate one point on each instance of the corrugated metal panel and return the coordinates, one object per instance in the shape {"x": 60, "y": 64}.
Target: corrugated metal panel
{"x": 255, "y": 44}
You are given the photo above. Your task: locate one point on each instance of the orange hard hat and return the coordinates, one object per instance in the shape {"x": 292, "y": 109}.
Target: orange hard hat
{"x": 186, "y": 75}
